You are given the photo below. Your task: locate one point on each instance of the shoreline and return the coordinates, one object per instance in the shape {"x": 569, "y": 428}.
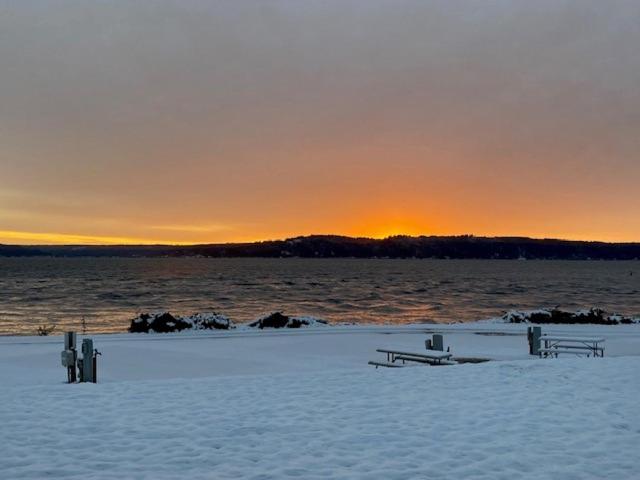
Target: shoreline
{"x": 479, "y": 327}
{"x": 224, "y": 326}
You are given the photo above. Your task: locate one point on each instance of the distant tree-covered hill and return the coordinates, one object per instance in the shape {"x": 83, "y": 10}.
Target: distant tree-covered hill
{"x": 329, "y": 246}
{"x": 19, "y": 251}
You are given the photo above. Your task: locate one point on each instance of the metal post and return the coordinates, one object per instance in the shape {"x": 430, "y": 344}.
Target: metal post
{"x": 87, "y": 360}
{"x": 95, "y": 365}
{"x": 536, "y": 333}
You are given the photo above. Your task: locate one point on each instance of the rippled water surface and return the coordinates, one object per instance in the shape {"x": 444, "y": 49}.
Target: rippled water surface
{"x": 108, "y": 292}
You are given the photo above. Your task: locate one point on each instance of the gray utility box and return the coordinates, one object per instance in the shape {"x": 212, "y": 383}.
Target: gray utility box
{"x": 435, "y": 343}
{"x": 69, "y": 356}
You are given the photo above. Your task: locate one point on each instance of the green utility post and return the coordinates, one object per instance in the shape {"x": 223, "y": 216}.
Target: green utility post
{"x": 87, "y": 373}
{"x": 533, "y": 335}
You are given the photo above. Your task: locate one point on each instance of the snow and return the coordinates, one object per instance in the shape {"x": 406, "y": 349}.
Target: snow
{"x": 202, "y": 320}
{"x": 304, "y": 404}
{"x": 515, "y": 316}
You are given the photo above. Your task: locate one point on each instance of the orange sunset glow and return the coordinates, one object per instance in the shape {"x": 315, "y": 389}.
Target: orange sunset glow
{"x": 208, "y": 122}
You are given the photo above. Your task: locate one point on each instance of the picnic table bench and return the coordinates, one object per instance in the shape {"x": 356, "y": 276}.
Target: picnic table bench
{"x": 432, "y": 357}
{"x": 385, "y": 364}
{"x": 553, "y": 345}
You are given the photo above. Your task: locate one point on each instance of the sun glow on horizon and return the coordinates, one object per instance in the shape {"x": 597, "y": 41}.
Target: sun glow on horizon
{"x": 384, "y": 229}
{"x": 390, "y": 222}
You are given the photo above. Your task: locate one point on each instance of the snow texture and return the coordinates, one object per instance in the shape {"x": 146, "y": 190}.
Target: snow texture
{"x": 303, "y": 404}
{"x": 209, "y": 320}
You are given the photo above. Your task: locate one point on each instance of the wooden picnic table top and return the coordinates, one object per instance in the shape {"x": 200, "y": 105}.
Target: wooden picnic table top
{"x": 560, "y": 338}
{"x": 433, "y": 354}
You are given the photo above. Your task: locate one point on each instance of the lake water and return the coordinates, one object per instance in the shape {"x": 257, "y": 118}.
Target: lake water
{"x": 108, "y": 292}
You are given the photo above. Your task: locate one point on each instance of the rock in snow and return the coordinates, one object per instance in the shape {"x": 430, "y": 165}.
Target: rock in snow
{"x": 210, "y": 321}
{"x": 164, "y": 322}
{"x": 278, "y": 320}
{"x": 161, "y": 322}
{"x": 556, "y": 316}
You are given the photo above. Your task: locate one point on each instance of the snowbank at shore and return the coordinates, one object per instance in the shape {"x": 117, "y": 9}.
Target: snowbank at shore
{"x": 165, "y": 322}
{"x": 278, "y": 320}
{"x": 593, "y": 316}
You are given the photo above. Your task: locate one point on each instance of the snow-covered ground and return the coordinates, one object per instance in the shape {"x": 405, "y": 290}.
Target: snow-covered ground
{"x": 305, "y": 404}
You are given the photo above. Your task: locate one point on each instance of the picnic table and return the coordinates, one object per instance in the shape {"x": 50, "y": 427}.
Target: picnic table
{"x": 432, "y": 357}
{"x": 555, "y": 344}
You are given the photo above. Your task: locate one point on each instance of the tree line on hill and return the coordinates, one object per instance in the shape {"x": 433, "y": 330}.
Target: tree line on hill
{"x": 332, "y": 246}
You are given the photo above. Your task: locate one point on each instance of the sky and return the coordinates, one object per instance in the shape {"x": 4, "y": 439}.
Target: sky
{"x": 214, "y": 121}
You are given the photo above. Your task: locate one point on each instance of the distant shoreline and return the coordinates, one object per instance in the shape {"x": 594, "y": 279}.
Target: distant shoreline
{"x": 331, "y": 246}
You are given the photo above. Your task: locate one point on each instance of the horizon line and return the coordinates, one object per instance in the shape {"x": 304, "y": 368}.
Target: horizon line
{"x": 198, "y": 244}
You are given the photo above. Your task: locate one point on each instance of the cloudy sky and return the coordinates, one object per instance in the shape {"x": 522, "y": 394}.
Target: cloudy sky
{"x": 210, "y": 121}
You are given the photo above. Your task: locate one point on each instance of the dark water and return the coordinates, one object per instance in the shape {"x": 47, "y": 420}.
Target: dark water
{"x": 108, "y": 292}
